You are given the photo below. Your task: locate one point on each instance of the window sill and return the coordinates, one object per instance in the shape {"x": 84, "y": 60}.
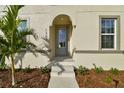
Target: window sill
{"x": 108, "y": 49}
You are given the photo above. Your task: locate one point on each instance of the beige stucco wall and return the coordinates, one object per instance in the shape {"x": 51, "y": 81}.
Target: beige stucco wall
{"x": 85, "y": 34}
{"x": 105, "y": 60}
{"x": 88, "y": 27}
{"x": 86, "y": 37}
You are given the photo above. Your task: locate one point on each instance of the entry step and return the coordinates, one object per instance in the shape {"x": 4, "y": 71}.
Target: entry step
{"x": 63, "y": 59}
{"x": 59, "y": 68}
{"x": 63, "y": 74}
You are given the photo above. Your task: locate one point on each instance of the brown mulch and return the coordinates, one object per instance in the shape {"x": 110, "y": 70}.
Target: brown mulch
{"x": 33, "y": 79}
{"x": 97, "y": 80}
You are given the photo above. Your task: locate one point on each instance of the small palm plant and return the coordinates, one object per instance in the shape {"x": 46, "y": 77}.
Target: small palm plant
{"x": 12, "y": 41}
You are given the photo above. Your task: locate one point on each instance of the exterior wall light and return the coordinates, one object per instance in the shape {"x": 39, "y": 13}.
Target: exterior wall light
{"x": 74, "y": 26}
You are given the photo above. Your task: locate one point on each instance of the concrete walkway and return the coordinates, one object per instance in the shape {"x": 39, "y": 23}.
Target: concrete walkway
{"x": 63, "y": 82}
{"x": 63, "y": 76}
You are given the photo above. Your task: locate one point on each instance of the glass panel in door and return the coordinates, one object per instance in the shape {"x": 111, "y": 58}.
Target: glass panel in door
{"x": 62, "y": 41}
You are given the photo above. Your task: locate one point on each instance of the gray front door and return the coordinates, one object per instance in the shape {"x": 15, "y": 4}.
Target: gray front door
{"x": 61, "y": 41}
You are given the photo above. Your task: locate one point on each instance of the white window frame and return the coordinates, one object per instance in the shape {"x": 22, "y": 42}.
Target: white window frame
{"x": 114, "y": 34}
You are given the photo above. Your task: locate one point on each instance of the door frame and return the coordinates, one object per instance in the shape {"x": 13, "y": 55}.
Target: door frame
{"x": 56, "y": 37}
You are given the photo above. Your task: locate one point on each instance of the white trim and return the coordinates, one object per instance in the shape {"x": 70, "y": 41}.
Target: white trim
{"x": 115, "y": 32}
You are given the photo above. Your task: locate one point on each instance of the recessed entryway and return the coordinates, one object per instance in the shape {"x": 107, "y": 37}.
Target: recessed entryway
{"x": 60, "y": 34}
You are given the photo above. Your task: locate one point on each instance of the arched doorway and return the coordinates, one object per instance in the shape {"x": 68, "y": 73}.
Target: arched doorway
{"x": 60, "y": 34}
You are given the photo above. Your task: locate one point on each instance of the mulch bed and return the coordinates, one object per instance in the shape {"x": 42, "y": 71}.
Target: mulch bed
{"x": 100, "y": 80}
{"x": 33, "y": 79}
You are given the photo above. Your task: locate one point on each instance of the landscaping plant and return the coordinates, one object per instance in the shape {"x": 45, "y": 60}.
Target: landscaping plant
{"x": 44, "y": 69}
{"x": 12, "y": 39}
{"x": 114, "y": 71}
{"x": 98, "y": 69}
{"x": 27, "y": 69}
{"x": 108, "y": 79}
{"x": 82, "y": 70}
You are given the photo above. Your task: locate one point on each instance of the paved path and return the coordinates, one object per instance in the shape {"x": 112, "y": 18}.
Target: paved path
{"x": 63, "y": 82}
{"x": 63, "y": 76}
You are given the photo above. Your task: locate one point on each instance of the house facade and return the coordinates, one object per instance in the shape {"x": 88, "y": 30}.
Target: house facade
{"x": 87, "y": 34}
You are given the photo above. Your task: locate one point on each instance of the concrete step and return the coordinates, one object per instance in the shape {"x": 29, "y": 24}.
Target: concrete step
{"x": 64, "y": 63}
{"x": 63, "y": 59}
{"x": 58, "y": 68}
{"x": 66, "y": 71}
{"x": 63, "y": 74}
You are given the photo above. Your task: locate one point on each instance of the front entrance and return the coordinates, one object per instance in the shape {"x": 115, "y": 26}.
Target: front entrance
{"x": 61, "y": 41}
{"x": 60, "y": 36}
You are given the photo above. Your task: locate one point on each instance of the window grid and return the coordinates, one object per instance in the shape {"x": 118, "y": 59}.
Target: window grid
{"x": 108, "y": 33}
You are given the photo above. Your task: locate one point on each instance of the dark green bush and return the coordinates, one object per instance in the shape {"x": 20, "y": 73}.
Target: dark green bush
{"x": 44, "y": 69}
{"x": 114, "y": 71}
{"x": 98, "y": 69}
{"x": 82, "y": 70}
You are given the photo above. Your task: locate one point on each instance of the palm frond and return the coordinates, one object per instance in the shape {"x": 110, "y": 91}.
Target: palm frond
{"x": 3, "y": 41}
{"x": 24, "y": 33}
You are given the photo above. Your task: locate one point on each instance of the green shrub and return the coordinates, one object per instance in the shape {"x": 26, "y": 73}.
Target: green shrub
{"x": 82, "y": 70}
{"x": 114, "y": 71}
{"x": 44, "y": 69}
{"x": 98, "y": 69}
{"x": 3, "y": 67}
{"x": 108, "y": 79}
{"x": 27, "y": 69}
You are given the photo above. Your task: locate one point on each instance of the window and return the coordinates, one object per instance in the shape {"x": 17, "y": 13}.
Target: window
{"x": 22, "y": 27}
{"x": 108, "y": 33}
{"x": 62, "y": 38}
